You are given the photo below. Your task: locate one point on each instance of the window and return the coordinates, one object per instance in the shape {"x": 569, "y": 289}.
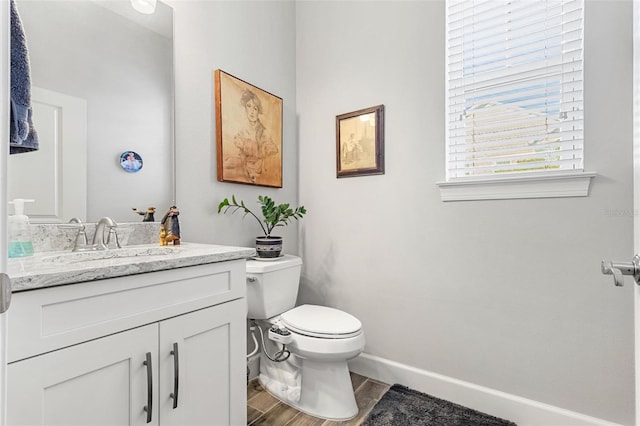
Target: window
{"x": 514, "y": 89}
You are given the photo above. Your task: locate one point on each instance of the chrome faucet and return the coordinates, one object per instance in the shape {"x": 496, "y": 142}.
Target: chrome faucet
{"x": 99, "y": 242}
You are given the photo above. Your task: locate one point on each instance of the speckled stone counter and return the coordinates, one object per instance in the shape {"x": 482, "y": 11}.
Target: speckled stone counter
{"x": 49, "y": 267}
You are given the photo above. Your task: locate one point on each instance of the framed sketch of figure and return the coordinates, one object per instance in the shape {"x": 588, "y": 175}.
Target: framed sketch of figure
{"x": 248, "y": 132}
{"x": 360, "y": 142}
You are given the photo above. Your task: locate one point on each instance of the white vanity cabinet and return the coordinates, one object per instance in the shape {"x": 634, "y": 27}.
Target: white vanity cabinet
{"x": 98, "y": 382}
{"x": 159, "y": 348}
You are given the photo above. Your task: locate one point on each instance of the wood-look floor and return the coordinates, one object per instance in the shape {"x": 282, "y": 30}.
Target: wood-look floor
{"x": 264, "y": 409}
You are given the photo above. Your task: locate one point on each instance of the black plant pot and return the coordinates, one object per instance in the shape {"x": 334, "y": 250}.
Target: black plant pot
{"x": 268, "y": 247}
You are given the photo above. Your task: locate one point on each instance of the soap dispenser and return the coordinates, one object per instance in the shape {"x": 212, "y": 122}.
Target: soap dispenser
{"x": 20, "y": 243}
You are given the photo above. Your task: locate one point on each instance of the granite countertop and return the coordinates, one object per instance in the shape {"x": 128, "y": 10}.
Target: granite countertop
{"x": 50, "y": 268}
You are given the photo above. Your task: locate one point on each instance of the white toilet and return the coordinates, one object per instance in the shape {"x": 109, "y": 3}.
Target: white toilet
{"x": 315, "y": 378}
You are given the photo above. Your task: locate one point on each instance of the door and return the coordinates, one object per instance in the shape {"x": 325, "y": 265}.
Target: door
{"x": 61, "y": 121}
{"x": 636, "y": 183}
{"x": 52, "y": 389}
{"x": 633, "y": 268}
{"x": 4, "y": 153}
{"x": 203, "y": 367}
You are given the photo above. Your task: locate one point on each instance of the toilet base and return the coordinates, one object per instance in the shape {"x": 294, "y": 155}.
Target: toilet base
{"x": 326, "y": 390}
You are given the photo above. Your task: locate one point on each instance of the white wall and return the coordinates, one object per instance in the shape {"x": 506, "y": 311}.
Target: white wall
{"x": 251, "y": 40}
{"x": 503, "y": 294}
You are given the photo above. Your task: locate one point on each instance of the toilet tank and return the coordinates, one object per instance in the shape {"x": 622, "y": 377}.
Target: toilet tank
{"x": 272, "y": 286}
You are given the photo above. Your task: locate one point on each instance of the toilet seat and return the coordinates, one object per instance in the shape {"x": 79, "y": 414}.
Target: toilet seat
{"x": 321, "y": 322}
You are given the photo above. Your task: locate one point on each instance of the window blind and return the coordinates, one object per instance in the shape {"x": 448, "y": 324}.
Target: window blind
{"x": 514, "y": 77}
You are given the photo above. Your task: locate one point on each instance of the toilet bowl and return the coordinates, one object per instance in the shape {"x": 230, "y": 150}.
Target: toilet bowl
{"x": 315, "y": 378}
{"x": 323, "y": 333}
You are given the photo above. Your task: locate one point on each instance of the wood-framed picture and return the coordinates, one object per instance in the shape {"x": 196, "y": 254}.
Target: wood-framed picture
{"x": 360, "y": 142}
{"x": 248, "y": 132}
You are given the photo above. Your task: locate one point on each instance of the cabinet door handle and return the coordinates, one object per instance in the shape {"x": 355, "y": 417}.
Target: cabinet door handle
{"x": 149, "y": 406}
{"x": 176, "y": 375}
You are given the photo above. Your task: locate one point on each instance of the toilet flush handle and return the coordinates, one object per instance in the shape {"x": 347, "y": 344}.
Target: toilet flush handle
{"x": 251, "y": 279}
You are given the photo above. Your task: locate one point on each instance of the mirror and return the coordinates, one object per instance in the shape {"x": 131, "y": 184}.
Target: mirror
{"x": 102, "y": 85}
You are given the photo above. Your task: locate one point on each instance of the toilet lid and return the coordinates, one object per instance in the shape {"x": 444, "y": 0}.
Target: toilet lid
{"x": 321, "y": 321}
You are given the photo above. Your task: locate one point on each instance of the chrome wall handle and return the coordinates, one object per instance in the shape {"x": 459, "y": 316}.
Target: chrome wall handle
{"x": 176, "y": 375}
{"x": 619, "y": 269}
{"x": 148, "y": 408}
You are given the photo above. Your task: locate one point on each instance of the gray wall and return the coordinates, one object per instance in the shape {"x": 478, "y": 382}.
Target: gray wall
{"x": 251, "y": 40}
{"x": 503, "y": 294}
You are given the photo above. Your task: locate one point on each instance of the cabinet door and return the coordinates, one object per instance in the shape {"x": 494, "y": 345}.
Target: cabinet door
{"x": 100, "y": 382}
{"x": 211, "y": 367}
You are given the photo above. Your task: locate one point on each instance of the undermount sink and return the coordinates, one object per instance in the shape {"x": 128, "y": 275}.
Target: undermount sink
{"x": 124, "y": 252}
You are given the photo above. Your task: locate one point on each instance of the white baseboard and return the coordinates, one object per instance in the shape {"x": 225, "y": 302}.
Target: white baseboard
{"x": 523, "y": 411}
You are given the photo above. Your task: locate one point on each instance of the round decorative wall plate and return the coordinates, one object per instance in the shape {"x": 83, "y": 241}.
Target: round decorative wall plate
{"x": 131, "y": 161}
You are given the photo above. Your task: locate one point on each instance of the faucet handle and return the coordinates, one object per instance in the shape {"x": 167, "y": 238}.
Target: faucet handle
{"x": 74, "y": 223}
{"x": 113, "y": 235}
{"x": 81, "y": 240}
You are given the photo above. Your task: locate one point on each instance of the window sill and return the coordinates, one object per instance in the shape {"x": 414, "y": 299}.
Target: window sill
{"x": 568, "y": 184}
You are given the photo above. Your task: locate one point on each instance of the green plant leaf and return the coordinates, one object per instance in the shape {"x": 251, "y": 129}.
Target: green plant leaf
{"x": 273, "y": 214}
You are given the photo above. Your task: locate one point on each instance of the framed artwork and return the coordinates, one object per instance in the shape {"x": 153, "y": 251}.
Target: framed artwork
{"x": 360, "y": 142}
{"x": 248, "y": 133}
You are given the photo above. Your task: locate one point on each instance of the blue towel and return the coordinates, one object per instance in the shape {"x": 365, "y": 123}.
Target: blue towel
{"x": 23, "y": 136}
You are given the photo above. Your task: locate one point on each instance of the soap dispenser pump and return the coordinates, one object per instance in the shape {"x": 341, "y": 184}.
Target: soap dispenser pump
{"x": 20, "y": 244}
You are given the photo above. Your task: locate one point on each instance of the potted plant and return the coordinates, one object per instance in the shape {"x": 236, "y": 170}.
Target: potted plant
{"x": 273, "y": 215}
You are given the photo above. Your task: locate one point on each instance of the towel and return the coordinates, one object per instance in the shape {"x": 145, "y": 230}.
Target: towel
{"x": 23, "y": 136}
